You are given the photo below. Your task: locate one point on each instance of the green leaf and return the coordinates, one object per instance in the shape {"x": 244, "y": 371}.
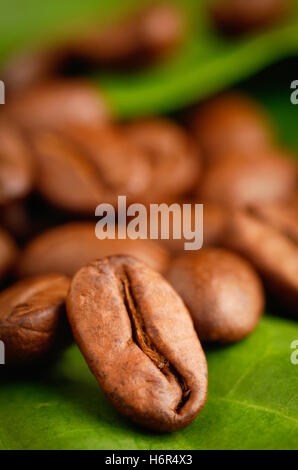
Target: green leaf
{"x": 252, "y": 403}
{"x": 206, "y": 62}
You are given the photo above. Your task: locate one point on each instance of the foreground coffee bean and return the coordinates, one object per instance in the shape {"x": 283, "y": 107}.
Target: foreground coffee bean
{"x": 270, "y": 244}
{"x": 32, "y": 313}
{"x": 269, "y": 175}
{"x": 16, "y": 165}
{"x": 150, "y": 34}
{"x": 138, "y": 340}
{"x": 230, "y": 122}
{"x": 174, "y": 160}
{"x": 8, "y": 253}
{"x": 58, "y": 102}
{"x": 83, "y": 166}
{"x": 67, "y": 248}
{"x": 222, "y": 292}
{"x": 241, "y": 16}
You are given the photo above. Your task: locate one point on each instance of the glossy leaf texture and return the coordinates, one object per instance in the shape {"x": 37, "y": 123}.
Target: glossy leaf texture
{"x": 252, "y": 403}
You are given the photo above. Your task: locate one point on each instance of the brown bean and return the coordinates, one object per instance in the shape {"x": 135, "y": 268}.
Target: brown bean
{"x": 67, "y": 248}
{"x": 83, "y": 166}
{"x": 230, "y": 122}
{"x": 31, "y": 68}
{"x": 155, "y": 370}
{"x": 58, "y": 102}
{"x": 31, "y": 316}
{"x": 268, "y": 176}
{"x": 241, "y": 16}
{"x": 8, "y": 253}
{"x": 268, "y": 241}
{"x": 142, "y": 38}
{"x": 174, "y": 160}
{"x": 222, "y": 292}
{"x": 16, "y": 164}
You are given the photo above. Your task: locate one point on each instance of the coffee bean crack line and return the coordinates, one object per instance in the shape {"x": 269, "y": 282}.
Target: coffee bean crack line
{"x": 144, "y": 342}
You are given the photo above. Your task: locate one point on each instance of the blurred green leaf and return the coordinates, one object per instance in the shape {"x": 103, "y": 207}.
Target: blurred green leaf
{"x": 252, "y": 403}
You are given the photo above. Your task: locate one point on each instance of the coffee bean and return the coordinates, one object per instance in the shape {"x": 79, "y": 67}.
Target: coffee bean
{"x": 8, "y": 253}
{"x": 174, "y": 160}
{"x": 268, "y": 176}
{"x": 230, "y": 122}
{"x": 83, "y": 166}
{"x": 268, "y": 239}
{"x": 241, "y": 16}
{"x": 58, "y": 102}
{"x": 30, "y": 69}
{"x": 67, "y": 248}
{"x": 31, "y": 316}
{"x": 16, "y": 165}
{"x": 222, "y": 292}
{"x": 138, "y": 340}
{"x": 142, "y": 38}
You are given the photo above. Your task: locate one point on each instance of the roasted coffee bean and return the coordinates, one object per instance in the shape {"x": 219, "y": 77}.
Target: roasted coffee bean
{"x": 8, "y": 253}
{"x": 83, "y": 166}
{"x": 58, "y": 102}
{"x": 27, "y": 70}
{"x": 268, "y": 176}
{"x": 242, "y": 16}
{"x": 32, "y": 313}
{"x": 173, "y": 157}
{"x": 138, "y": 340}
{"x": 16, "y": 165}
{"x": 222, "y": 292}
{"x": 142, "y": 38}
{"x": 282, "y": 217}
{"x": 67, "y": 248}
{"x": 269, "y": 241}
{"x": 230, "y": 122}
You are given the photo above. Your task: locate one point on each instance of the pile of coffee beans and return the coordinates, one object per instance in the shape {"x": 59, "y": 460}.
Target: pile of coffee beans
{"x": 139, "y": 309}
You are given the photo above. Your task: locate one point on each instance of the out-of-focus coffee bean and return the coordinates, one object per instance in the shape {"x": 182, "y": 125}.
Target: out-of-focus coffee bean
{"x": 58, "y": 102}
{"x": 31, "y": 316}
{"x": 29, "y": 69}
{"x": 222, "y": 292}
{"x": 269, "y": 242}
{"x": 8, "y": 253}
{"x": 283, "y": 217}
{"x": 67, "y": 248}
{"x": 83, "y": 166}
{"x": 242, "y": 16}
{"x": 16, "y": 164}
{"x": 155, "y": 372}
{"x": 142, "y": 38}
{"x": 174, "y": 160}
{"x": 267, "y": 176}
{"x": 230, "y": 122}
